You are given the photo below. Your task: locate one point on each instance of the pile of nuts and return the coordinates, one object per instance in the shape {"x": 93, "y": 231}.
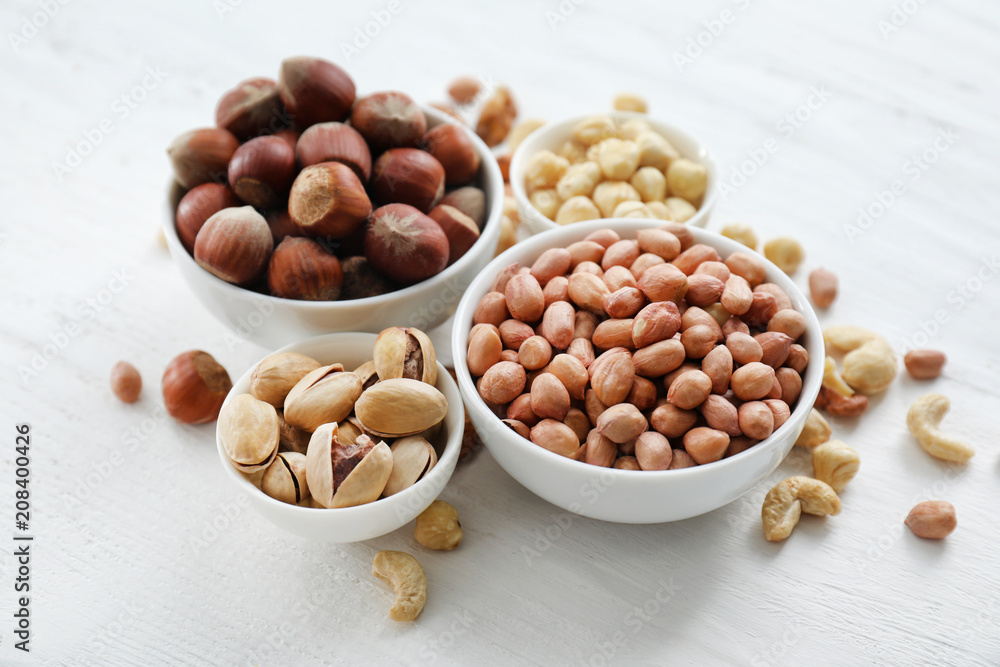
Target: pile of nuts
{"x": 326, "y": 437}
{"x": 649, "y": 353}
{"x": 615, "y": 167}
{"x": 305, "y": 191}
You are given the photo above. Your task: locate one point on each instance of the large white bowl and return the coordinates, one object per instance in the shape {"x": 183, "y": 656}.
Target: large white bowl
{"x": 364, "y": 522}
{"x": 271, "y": 321}
{"x": 630, "y": 496}
{"x": 552, "y": 135}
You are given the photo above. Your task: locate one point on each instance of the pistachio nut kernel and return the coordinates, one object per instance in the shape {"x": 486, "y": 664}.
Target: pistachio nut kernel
{"x": 291, "y": 439}
{"x": 412, "y": 458}
{"x": 367, "y": 373}
{"x": 285, "y": 478}
{"x": 249, "y": 431}
{"x": 400, "y": 406}
{"x": 274, "y": 377}
{"x": 405, "y": 352}
{"x": 345, "y": 475}
{"x": 324, "y": 395}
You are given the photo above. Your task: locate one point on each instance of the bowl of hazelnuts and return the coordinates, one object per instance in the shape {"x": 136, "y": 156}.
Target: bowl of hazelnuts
{"x": 309, "y": 209}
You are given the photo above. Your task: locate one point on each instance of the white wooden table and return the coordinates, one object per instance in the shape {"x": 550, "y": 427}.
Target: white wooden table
{"x": 142, "y": 552}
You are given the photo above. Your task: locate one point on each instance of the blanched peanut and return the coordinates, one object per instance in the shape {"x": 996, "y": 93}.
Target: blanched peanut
{"x": 650, "y": 183}
{"x": 577, "y": 209}
{"x": 545, "y": 202}
{"x": 658, "y": 209}
{"x": 544, "y": 169}
{"x": 680, "y": 210}
{"x": 631, "y": 209}
{"x": 618, "y": 158}
{"x": 741, "y": 232}
{"x": 579, "y": 180}
{"x": 594, "y": 129}
{"x": 785, "y": 252}
{"x": 609, "y": 194}
{"x": 687, "y": 179}
{"x": 655, "y": 150}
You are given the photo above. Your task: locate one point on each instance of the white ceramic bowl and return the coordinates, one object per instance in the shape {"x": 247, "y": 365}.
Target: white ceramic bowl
{"x": 630, "y": 496}
{"x": 552, "y": 135}
{"x": 271, "y": 321}
{"x": 364, "y": 522}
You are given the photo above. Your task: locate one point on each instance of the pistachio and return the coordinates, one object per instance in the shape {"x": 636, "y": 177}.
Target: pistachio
{"x": 405, "y": 352}
{"x": 274, "y": 377}
{"x": 367, "y": 373}
{"x": 349, "y": 431}
{"x": 412, "y": 458}
{"x": 325, "y": 395}
{"x": 400, "y": 406}
{"x": 249, "y": 432}
{"x": 291, "y": 439}
{"x": 345, "y": 475}
{"x": 285, "y": 478}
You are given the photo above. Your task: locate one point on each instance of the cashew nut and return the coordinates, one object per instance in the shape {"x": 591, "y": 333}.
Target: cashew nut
{"x": 438, "y": 527}
{"x": 788, "y": 499}
{"x": 870, "y": 363}
{"x": 833, "y": 381}
{"x": 816, "y": 431}
{"x": 402, "y": 571}
{"x": 923, "y": 419}
{"x": 835, "y": 463}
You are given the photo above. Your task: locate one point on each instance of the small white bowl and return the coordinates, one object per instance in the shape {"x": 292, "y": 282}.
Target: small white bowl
{"x": 364, "y": 522}
{"x": 272, "y": 321}
{"x": 630, "y": 496}
{"x": 552, "y": 135}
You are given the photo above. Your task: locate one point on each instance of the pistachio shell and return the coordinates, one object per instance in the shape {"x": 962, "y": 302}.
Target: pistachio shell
{"x": 249, "y": 432}
{"x": 325, "y": 395}
{"x": 285, "y": 478}
{"x": 399, "y": 407}
{"x": 341, "y": 475}
{"x": 412, "y": 458}
{"x": 405, "y": 352}
{"x": 367, "y": 481}
{"x": 367, "y": 373}
{"x": 275, "y": 376}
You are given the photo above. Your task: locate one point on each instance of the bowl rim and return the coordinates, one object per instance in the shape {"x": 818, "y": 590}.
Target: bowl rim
{"x": 534, "y": 246}
{"x": 519, "y": 158}
{"x": 450, "y": 451}
{"x": 494, "y": 213}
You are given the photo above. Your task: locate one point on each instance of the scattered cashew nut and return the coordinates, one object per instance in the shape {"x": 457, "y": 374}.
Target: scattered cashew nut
{"x": 923, "y": 419}
{"x": 438, "y": 527}
{"x": 835, "y": 463}
{"x": 402, "y": 571}
{"x": 816, "y": 431}
{"x": 870, "y": 362}
{"x": 788, "y": 499}
{"x": 833, "y": 381}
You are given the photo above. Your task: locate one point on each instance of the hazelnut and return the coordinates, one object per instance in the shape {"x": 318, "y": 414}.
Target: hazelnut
{"x": 250, "y": 109}
{"x": 315, "y": 90}
{"x": 464, "y": 89}
{"x": 194, "y": 386}
{"x": 198, "y": 205}
{"x": 461, "y": 230}
{"x": 408, "y": 176}
{"x": 234, "y": 245}
{"x": 335, "y": 142}
{"x": 389, "y": 120}
{"x": 202, "y": 156}
{"x": 405, "y": 244}
{"x": 451, "y": 145}
{"x": 301, "y": 268}
{"x": 262, "y": 170}
{"x": 281, "y": 225}
{"x": 291, "y": 135}
{"x": 470, "y": 200}
{"x": 327, "y": 199}
{"x": 126, "y": 382}
{"x": 362, "y": 281}
{"x": 496, "y": 117}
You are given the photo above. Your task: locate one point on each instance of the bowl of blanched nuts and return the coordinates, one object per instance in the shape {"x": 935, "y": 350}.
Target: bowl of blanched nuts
{"x": 310, "y": 208}
{"x": 636, "y": 371}
{"x": 612, "y": 165}
{"x": 343, "y": 437}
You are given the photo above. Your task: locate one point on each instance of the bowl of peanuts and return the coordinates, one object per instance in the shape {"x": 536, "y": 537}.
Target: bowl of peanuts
{"x": 636, "y": 371}
{"x": 612, "y": 165}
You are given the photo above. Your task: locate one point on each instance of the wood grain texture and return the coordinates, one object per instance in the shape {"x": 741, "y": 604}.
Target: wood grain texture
{"x": 143, "y": 554}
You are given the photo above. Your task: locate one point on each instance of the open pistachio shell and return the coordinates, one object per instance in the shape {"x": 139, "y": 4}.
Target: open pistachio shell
{"x": 400, "y": 406}
{"x": 249, "y": 431}
{"x": 367, "y": 373}
{"x": 344, "y": 475}
{"x": 412, "y": 458}
{"x": 274, "y": 377}
{"x": 405, "y": 352}
{"x": 285, "y": 478}
{"x": 325, "y": 395}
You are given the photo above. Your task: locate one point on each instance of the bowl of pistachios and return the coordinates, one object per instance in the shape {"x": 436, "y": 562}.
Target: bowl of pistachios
{"x": 343, "y": 437}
